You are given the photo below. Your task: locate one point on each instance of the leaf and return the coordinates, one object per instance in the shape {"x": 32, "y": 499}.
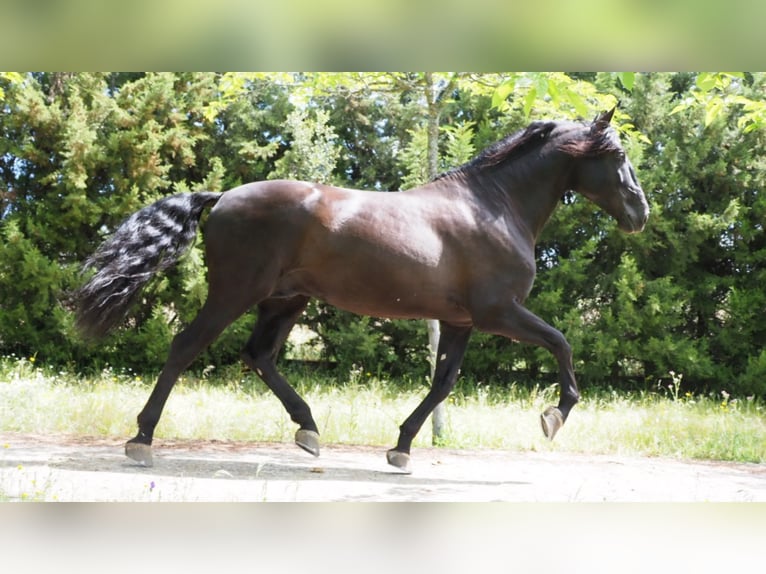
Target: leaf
{"x": 713, "y": 109}
{"x": 706, "y": 81}
{"x": 541, "y": 84}
{"x": 502, "y": 92}
{"x": 529, "y": 100}
{"x": 731, "y": 212}
{"x": 578, "y": 103}
{"x": 553, "y": 92}
{"x": 627, "y": 79}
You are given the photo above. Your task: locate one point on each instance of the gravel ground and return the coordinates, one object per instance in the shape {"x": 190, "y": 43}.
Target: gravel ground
{"x": 83, "y": 469}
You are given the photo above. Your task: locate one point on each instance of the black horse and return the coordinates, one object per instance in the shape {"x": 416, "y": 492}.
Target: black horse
{"x": 459, "y": 249}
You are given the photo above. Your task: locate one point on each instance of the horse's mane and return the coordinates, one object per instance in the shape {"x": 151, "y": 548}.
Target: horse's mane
{"x": 597, "y": 140}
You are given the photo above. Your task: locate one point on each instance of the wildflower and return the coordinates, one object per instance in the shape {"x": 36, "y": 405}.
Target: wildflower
{"x": 151, "y": 486}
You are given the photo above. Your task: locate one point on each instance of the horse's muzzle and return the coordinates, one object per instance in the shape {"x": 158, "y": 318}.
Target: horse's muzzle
{"x": 635, "y": 217}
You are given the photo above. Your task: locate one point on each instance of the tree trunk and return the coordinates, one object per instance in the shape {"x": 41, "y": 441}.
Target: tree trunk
{"x": 438, "y": 416}
{"x": 434, "y": 113}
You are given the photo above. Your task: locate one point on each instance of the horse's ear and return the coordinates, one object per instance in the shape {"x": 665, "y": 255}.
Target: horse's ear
{"x": 603, "y": 119}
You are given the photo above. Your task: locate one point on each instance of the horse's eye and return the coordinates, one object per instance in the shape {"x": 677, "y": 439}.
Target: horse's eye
{"x": 621, "y": 156}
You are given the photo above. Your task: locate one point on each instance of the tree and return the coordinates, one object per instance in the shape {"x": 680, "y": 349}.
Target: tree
{"x": 705, "y": 248}
{"x": 79, "y": 152}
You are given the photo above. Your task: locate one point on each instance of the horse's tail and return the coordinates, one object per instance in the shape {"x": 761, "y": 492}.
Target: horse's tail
{"x": 146, "y": 243}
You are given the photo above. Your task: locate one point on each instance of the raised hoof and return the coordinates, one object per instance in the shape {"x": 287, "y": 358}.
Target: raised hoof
{"x": 552, "y": 420}
{"x": 308, "y": 441}
{"x": 400, "y": 460}
{"x": 141, "y": 453}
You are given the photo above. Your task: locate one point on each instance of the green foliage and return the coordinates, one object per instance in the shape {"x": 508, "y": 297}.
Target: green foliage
{"x": 459, "y": 147}
{"x": 313, "y": 153}
{"x": 556, "y": 92}
{"x": 394, "y": 347}
{"x": 414, "y": 159}
{"x": 79, "y": 152}
{"x": 715, "y": 92}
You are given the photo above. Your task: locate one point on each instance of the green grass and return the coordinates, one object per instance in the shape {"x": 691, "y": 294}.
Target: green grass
{"x": 364, "y": 410}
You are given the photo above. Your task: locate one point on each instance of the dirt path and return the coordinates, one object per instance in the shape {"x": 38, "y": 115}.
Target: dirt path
{"x": 67, "y": 469}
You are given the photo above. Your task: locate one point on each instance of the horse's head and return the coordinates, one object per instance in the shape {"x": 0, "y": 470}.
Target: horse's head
{"x": 603, "y": 173}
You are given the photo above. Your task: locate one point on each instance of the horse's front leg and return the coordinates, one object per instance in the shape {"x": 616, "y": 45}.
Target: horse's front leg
{"x": 518, "y": 323}
{"x": 453, "y": 341}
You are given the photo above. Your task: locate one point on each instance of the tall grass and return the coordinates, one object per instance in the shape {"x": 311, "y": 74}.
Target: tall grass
{"x": 365, "y": 410}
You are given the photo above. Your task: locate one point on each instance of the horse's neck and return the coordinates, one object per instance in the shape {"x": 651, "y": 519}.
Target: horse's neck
{"x": 526, "y": 196}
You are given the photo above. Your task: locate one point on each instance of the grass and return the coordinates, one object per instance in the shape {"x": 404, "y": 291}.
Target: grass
{"x": 365, "y": 410}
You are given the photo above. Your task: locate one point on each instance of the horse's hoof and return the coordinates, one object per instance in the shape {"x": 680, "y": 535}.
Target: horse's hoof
{"x": 552, "y": 420}
{"x": 141, "y": 453}
{"x": 400, "y": 460}
{"x": 308, "y": 440}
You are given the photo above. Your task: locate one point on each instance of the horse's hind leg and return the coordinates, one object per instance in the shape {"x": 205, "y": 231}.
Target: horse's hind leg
{"x": 212, "y": 319}
{"x": 453, "y": 341}
{"x": 276, "y": 317}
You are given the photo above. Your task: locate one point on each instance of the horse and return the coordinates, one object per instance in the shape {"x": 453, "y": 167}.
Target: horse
{"x": 459, "y": 249}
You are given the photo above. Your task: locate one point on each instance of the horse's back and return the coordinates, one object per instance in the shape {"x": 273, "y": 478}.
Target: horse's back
{"x": 269, "y": 197}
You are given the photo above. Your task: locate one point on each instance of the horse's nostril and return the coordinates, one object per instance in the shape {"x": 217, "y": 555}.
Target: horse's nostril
{"x": 645, "y": 215}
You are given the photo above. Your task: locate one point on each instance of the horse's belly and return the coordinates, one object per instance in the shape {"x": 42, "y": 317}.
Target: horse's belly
{"x": 398, "y": 308}
{"x": 388, "y": 295}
